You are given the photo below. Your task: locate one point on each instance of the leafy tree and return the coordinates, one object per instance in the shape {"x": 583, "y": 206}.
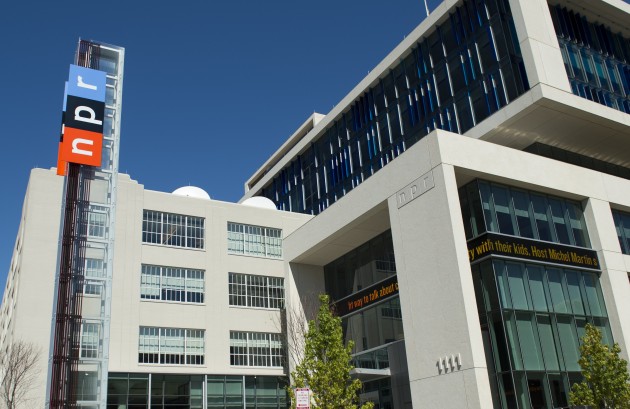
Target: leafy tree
{"x": 606, "y": 381}
{"x": 326, "y": 365}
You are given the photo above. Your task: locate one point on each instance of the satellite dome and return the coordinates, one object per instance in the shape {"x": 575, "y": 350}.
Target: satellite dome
{"x": 192, "y": 191}
{"x": 260, "y": 202}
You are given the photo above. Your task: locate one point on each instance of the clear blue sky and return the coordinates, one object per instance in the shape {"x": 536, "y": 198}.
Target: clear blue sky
{"x": 211, "y": 88}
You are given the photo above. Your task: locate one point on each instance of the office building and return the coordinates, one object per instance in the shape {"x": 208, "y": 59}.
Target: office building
{"x": 466, "y": 206}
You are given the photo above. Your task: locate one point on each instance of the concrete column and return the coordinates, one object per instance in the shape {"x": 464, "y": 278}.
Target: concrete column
{"x": 614, "y": 278}
{"x": 437, "y": 297}
{"x": 539, "y": 44}
{"x": 303, "y": 284}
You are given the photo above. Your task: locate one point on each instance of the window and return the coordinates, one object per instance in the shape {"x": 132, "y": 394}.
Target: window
{"x": 94, "y": 273}
{"x": 90, "y": 334}
{"x": 171, "y": 346}
{"x": 256, "y": 291}
{"x": 254, "y": 240}
{"x": 622, "y": 225}
{"x": 96, "y": 224}
{"x": 532, "y": 317}
{"x": 516, "y": 212}
{"x": 172, "y": 284}
{"x": 172, "y": 229}
{"x": 255, "y": 349}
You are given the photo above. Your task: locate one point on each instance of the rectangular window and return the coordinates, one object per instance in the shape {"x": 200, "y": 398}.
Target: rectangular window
{"x": 172, "y": 229}
{"x": 256, "y": 291}
{"x": 171, "y": 346}
{"x": 172, "y": 284}
{"x": 521, "y": 213}
{"x": 254, "y": 240}
{"x": 255, "y": 349}
{"x": 622, "y": 225}
{"x": 90, "y": 335}
{"x": 94, "y": 273}
{"x": 96, "y": 225}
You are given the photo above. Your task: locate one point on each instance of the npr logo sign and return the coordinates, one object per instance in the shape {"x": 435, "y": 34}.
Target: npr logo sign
{"x": 415, "y": 189}
{"x": 84, "y": 110}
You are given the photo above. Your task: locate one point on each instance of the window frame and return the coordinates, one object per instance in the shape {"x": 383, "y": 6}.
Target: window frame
{"x": 182, "y": 229}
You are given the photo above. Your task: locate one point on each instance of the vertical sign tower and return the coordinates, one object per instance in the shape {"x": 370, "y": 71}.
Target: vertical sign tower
{"x": 88, "y": 157}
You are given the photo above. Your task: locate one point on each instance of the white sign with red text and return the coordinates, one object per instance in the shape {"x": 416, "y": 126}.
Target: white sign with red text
{"x": 303, "y": 398}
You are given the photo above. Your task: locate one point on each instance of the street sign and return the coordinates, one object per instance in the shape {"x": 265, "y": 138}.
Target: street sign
{"x": 303, "y": 398}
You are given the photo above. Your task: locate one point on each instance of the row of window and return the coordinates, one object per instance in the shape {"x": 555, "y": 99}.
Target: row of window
{"x": 188, "y": 285}
{"x": 469, "y": 67}
{"x": 254, "y": 240}
{"x": 158, "y": 391}
{"x": 172, "y": 229}
{"x": 497, "y": 208}
{"x": 256, "y": 349}
{"x": 597, "y": 61}
{"x": 172, "y": 284}
{"x": 188, "y": 231}
{"x": 454, "y": 78}
{"x": 532, "y": 317}
{"x": 256, "y": 291}
{"x": 174, "y": 346}
{"x": 179, "y": 346}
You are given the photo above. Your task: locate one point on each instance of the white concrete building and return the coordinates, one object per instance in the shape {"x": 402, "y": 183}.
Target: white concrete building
{"x": 466, "y": 206}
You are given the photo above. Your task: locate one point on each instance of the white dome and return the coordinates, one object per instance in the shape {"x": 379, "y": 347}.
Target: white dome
{"x": 261, "y": 202}
{"x": 192, "y": 191}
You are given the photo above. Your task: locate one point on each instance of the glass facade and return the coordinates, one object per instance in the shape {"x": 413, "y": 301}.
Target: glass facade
{"x": 157, "y": 391}
{"x": 532, "y": 317}
{"x": 491, "y": 207}
{"x": 368, "y": 264}
{"x": 469, "y": 67}
{"x": 622, "y": 225}
{"x": 596, "y": 59}
{"x": 373, "y": 327}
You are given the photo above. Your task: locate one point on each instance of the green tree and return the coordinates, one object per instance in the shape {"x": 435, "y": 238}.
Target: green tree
{"x": 606, "y": 381}
{"x": 326, "y": 365}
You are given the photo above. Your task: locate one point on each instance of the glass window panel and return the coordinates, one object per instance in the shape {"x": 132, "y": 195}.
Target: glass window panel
{"x": 530, "y": 347}
{"x": 543, "y": 226}
{"x": 537, "y": 288}
{"x": 502, "y": 284}
{"x": 558, "y": 217}
{"x": 578, "y": 227}
{"x": 516, "y": 278}
{"x": 487, "y": 205}
{"x": 502, "y": 208}
{"x": 548, "y": 343}
{"x": 569, "y": 343}
{"x": 172, "y": 229}
{"x": 573, "y": 287}
{"x": 524, "y": 217}
{"x": 559, "y": 298}
{"x": 513, "y": 341}
{"x": 557, "y": 386}
{"x": 593, "y": 295}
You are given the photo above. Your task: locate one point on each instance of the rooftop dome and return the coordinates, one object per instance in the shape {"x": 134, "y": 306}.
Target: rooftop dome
{"x": 192, "y": 191}
{"x": 261, "y": 202}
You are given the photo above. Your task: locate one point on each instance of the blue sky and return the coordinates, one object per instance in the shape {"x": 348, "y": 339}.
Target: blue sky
{"x": 211, "y": 88}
